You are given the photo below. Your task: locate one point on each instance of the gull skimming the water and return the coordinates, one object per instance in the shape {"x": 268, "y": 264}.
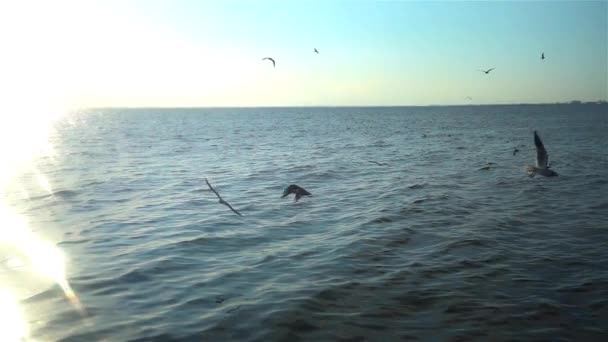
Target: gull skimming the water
{"x": 542, "y": 166}
{"x": 296, "y": 190}
{"x": 270, "y": 59}
{"x": 487, "y": 71}
{"x": 221, "y": 199}
{"x": 377, "y": 163}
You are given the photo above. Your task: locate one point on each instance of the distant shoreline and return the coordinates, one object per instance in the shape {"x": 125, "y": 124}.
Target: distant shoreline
{"x": 572, "y": 103}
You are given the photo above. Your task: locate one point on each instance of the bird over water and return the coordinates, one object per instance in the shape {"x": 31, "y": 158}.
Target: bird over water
{"x": 296, "y": 190}
{"x": 542, "y": 166}
{"x": 221, "y": 199}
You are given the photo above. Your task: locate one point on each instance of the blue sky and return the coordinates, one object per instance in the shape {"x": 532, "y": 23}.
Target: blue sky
{"x": 208, "y": 53}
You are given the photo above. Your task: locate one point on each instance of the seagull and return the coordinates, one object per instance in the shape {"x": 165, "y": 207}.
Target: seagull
{"x": 542, "y": 159}
{"x": 298, "y": 191}
{"x": 317, "y": 51}
{"x": 222, "y": 200}
{"x": 515, "y": 151}
{"x": 270, "y": 59}
{"x": 487, "y": 71}
{"x": 377, "y": 163}
{"x": 489, "y": 166}
{"x": 542, "y": 55}
{"x": 468, "y": 98}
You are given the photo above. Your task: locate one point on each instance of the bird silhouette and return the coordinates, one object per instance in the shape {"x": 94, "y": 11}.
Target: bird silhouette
{"x": 542, "y": 55}
{"x": 272, "y": 60}
{"x": 486, "y": 71}
{"x": 317, "y": 51}
{"x": 296, "y": 190}
{"x": 377, "y": 163}
{"x": 221, "y": 199}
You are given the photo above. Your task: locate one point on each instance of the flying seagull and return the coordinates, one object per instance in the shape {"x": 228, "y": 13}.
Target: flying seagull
{"x": 487, "y": 71}
{"x": 317, "y": 51}
{"x": 489, "y": 166}
{"x": 542, "y": 166}
{"x": 220, "y": 197}
{"x": 270, "y": 59}
{"x": 542, "y": 55}
{"x": 468, "y": 98}
{"x": 296, "y": 190}
{"x": 377, "y": 163}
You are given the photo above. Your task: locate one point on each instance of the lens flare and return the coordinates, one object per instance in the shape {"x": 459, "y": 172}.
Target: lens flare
{"x": 43, "y": 257}
{"x": 44, "y": 183}
{"x": 12, "y": 322}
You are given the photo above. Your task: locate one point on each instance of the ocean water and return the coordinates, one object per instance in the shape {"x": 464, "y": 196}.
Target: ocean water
{"x": 429, "y": 246}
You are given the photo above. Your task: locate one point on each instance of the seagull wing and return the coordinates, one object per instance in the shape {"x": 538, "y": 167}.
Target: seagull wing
{"x": 270, "y": 59}
{"x": 212, "y": 189}
{"x": 221, "y": 199}
{"x": 491, "y": 69}
{"x": 231, "y": 208}
{"x": 303, "y": 192}
{"x": 542, "y": 158}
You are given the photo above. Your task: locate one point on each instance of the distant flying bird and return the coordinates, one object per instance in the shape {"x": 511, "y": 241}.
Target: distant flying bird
{"x": 317, "y": 51}
{"x": 377, "y": 163}
{"x": 515, "y": 151}
{"x": 542, "y": 160}
{"x": 468, "y": 98}
{"x": 221, "y": 199}
{"x": 296, "y": 190}
{"x": 489, "y": 166}
{"x": 487, "y": 71}
{"x": 542, "y": 55}
{"x": 270, "y": 59}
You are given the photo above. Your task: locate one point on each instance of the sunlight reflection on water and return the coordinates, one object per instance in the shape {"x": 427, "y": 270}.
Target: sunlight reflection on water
{"x": 29, "y": 260}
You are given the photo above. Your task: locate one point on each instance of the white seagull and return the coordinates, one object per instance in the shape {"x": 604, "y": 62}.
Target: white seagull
{"x": 542, "y": 166}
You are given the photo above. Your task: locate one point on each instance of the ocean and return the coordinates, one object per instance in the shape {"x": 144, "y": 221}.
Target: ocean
{"x": 428, "y": 245}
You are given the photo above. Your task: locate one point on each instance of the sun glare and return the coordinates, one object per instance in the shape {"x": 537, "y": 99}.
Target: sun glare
{"x": 36, "y": 89}
{"x": 12, "y": 322}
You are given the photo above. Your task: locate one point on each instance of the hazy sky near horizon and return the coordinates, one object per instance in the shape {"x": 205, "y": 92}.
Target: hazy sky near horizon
{"x": 208, "y": 53}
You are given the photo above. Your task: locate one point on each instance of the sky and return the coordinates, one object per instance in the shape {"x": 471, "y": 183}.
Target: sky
{"x": 188, "y": 53}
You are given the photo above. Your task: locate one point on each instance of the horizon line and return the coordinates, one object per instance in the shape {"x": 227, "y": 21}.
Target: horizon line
{"x": 574, "y": 102}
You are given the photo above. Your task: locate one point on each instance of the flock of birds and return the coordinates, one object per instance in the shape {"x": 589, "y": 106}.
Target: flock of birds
{"x": 274, "y": 65}
{"x": 542, "y": 167}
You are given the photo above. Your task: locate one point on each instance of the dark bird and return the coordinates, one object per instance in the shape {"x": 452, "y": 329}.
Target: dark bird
{"x": 515, "y": 151}
{"x": 487, "y": 71}
{"x": 542, "y": 166}
{"x": 542, "y": 55}
{"x": 221, "y": 199}
{"x": 316, "y": 51}
{"x": 270, "y": 59}
{"x": 489, "y": 166}
{"x": 296, "y": 190}
{"x": 377, "y": 163}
